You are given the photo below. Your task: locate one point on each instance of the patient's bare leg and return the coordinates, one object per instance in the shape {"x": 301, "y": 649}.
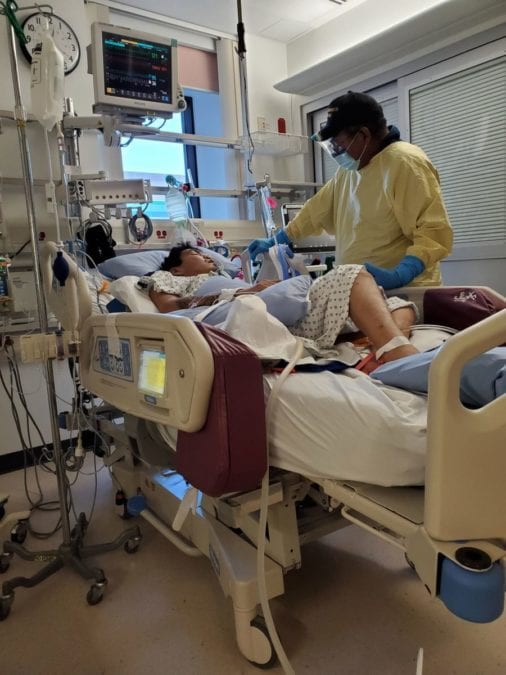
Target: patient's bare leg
{"x": 404, "y": 318}
{"x": 370, "y": 314}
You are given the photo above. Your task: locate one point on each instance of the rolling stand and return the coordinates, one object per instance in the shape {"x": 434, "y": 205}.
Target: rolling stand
{"x": 71, "y": 554}
{"x": 72, "y": 550}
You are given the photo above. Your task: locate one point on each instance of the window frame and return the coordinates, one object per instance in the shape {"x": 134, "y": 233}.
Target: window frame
{"x": 190, "y": 153}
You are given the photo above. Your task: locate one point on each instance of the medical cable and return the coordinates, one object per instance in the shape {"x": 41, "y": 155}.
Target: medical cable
{"x": 262, "y": 523}
{"x": 195, "y": 229}
{"x": 20, "y": 249}
{"x": 127, "y": 143}
{"x": 75, "y": 417}
{"x": 39, "y": 504}
{"x": 88, "y": 257}
{"x": 46, "y": 457}
{"x": 140, "y": 233}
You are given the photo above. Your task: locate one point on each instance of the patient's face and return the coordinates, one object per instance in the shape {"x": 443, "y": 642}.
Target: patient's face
{"x": 193, "y": 263}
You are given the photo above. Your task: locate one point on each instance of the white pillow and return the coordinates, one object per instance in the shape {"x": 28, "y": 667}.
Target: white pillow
{"x": 126, "y": 291}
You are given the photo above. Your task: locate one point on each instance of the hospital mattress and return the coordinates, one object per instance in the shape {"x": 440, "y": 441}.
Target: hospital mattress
{"x": 348, "y": 426}
{"x": 344, "y": 426}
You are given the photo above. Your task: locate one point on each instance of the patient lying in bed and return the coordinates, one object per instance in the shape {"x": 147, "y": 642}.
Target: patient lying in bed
{"x": 346, "y": 296}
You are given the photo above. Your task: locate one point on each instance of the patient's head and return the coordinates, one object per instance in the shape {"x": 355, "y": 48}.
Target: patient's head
{"x": 186, "y": 261}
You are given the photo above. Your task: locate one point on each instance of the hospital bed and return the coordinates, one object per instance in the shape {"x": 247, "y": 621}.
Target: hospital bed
{"x": 184, "y": 407}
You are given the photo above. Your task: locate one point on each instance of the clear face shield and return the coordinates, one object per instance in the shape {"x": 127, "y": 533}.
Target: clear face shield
{"x": 338, "y": 152}
{"x": 330, "y": 146}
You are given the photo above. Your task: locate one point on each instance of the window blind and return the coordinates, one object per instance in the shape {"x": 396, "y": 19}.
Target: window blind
{"x": 460, "y": 122}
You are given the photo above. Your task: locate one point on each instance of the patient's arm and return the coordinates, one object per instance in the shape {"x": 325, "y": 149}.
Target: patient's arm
{"x": 166, "y": 302}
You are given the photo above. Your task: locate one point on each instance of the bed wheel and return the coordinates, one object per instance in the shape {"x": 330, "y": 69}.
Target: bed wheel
{"x": 267, "y": 648}
{"x": 19, "y": 532}
{"x": 95, "y": 594}
{"x": 473, "y": 593}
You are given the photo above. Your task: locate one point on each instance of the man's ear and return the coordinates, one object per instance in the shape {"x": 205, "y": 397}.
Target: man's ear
{"x": 366, "y": 132}
{"x": 176, "y": 271}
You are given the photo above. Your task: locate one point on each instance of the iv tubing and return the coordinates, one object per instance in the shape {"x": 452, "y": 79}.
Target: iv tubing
{"x": 52, "y": 186}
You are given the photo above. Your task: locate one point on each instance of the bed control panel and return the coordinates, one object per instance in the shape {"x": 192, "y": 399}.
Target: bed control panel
{"x": 155, "y": 367}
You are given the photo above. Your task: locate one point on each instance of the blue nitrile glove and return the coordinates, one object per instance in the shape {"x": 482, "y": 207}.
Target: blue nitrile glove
{"x": 409, "y": 268}
{"x": 258, "y": 246}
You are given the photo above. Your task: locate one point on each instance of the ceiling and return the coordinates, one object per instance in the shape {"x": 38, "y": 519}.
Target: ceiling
{"x": 281, "y": 20}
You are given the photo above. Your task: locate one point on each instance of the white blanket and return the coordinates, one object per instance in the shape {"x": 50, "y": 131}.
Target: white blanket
{"x": 249, "y": 322}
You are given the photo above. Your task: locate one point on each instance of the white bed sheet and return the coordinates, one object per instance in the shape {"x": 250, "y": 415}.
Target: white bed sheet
{"x": 348, "y": 426}
{"x": 344, "y": 426}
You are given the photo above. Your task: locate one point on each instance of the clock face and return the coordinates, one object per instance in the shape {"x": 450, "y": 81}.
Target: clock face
{"x": 63, "y": 35}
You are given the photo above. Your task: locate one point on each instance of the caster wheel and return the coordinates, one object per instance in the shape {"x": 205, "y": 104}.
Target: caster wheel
{"x": 95, "y": 595}
{"x": 19, "y": 532}
{"x": 5, "y": 563}
{"x": 268, "y": 654}
{"x": 132, "y": 545}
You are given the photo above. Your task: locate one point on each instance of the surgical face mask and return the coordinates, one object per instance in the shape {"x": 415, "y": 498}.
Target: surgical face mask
{"x": 339, "y": 154}
{"x": 347, "y": 162}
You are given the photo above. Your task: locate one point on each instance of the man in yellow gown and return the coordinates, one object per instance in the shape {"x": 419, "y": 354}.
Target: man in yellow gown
{"x": 384, "y": 204}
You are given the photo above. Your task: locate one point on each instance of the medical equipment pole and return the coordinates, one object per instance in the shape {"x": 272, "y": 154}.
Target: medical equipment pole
{"x": 21, "y": 119}
{"x": 246, "y": 131}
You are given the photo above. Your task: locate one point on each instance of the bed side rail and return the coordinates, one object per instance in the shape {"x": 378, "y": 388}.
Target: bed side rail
{"x": 155, "y": 367}
{"x": 465, "y": 495}
{"x": 416, "y": 294}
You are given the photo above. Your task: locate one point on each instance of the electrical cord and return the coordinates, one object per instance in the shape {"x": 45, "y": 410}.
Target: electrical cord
{"x": 47, "y": 456}
{"x": 39, "y": 504}
{"x": 29, "y": 241}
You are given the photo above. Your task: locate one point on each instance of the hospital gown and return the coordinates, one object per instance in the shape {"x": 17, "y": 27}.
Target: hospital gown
{"x": 391, "y": 208}
{"x": 164, "y": 282}
{"x": 329, "y": 308}
{"x": 328, "y": 311}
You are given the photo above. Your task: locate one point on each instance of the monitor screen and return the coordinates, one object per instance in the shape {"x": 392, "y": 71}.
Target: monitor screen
{"x": 134, "y": 72}
{"x": 289, "y": 211}
{"x": 152, "y": 371}
{"x": 136, "y": 68}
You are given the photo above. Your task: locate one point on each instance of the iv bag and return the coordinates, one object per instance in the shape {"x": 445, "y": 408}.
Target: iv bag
{"x": 175, "y": 203}
{"x": 47, "y": 81}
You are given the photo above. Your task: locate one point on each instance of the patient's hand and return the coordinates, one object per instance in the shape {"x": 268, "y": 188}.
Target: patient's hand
{"x": 203, "y": 300}
{"x": 260, "y": 286}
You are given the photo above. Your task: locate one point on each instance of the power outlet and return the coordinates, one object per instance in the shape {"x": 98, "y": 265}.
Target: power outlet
{"x": 262, "y": 124}
{"x": 160, "y": 235}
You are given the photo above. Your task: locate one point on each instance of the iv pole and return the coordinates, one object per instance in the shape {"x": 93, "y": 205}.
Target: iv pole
{"x": 71, "y": 550}
{"x": 21, "y": 120}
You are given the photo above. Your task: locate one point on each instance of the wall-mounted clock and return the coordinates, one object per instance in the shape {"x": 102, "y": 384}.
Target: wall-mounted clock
{"x": 63, "y": 35}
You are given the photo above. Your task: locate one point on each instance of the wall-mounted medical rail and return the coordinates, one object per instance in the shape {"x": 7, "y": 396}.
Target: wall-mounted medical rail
{"x": 116, "y": 124}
